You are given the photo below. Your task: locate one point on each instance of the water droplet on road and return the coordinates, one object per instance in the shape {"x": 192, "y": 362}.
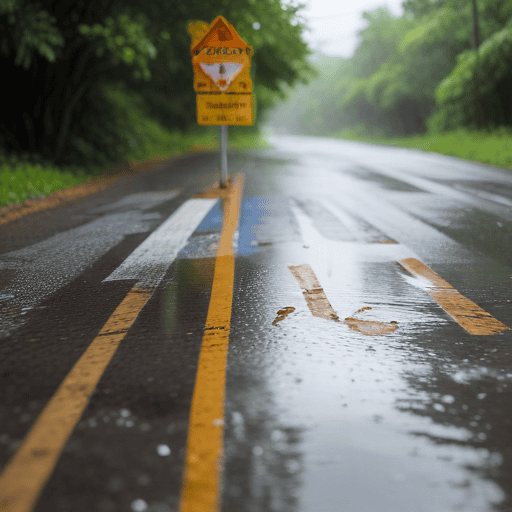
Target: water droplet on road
{"x": 257, "y": 450}
{"x": 143, "y": 479}
{"x": 277, "y": 436}
{"x": 237, "y": 418}
{"x": 292, "y": 466}
{"x": 163, "y": 450}
{"x": 139, "y": 505}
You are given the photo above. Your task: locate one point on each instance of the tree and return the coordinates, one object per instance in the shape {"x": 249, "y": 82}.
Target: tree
{"x": 68, "y": 62}
{"x": 416, "y": 72}
{"x": 455, "y": 94}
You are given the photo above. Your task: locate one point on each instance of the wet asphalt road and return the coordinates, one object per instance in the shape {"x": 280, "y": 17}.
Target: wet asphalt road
{"x": 395, "y": 399}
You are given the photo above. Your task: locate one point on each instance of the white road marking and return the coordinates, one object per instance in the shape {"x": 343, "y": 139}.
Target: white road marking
{"x": 348, "y": 221}
{"x": 150, "y": 261}
{"x": 39, "y": 270}
{"x": 486, "y": 195}
{"x": 331, "y": 250}
{"x": 28, "y": 471}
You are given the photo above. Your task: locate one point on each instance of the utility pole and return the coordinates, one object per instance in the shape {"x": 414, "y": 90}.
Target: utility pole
{"x": 477, "y": 110}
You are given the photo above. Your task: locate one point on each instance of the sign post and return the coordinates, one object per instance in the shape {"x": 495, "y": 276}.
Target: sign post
{"x": 221, "y": 60}
{"x": 223, "y": 154}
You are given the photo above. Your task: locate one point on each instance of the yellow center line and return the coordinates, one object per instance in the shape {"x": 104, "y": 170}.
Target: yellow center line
{"x": 32, "y": 465}
{"x": 201, "y": 484}
{"x": 465, "y": 312}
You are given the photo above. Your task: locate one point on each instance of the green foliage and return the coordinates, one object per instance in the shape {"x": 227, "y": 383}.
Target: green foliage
{"x": 466, "y": 86}
{"x": 68, "y": 69}
{"x": 125, "y": 40}
{"x": 456, "y": 82}
{"x": 29, "y": 177}
{"x": 23, "y": 180}
{"x": 309, "y": 108}
{"x": 378, "y": 41}
{"x": 142, "y": 137}
{"x": 494, "y": 55}
{"x": 377, "y": 92}
{"x": 445, "y": 28}
{"x": 404, "y": 64}
{"x": 418, "y": 72}
{"x": 122, "y": 131}
{"x": 27, "y": 30}
{"x": 279, "y": 58}
{"x": 418, "y": 8}
{"x": 385, "y": 88}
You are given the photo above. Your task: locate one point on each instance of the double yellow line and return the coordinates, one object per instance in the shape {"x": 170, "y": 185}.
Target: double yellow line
{"x": 29, "y": 469}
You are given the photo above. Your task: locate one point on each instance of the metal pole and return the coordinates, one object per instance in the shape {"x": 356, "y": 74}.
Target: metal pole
{"x": 223, "y": 155}
{"x": 476, "y": 72}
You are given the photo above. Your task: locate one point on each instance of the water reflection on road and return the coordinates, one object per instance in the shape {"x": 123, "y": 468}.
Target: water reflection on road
{"x": 321, "y": 417}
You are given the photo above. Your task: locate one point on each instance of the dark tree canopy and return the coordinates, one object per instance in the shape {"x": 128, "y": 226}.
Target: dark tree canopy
{"x": 67, "y": 61}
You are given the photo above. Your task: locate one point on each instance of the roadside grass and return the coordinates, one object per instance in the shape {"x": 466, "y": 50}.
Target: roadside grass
{"x": 141, "y": 140}
{"x": 242, "y": 141}
{"x": 22, "y": 179}
{"x": 494, "y": 148}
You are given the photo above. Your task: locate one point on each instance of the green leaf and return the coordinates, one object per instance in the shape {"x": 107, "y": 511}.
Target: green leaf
{"x": 128, "y": 55}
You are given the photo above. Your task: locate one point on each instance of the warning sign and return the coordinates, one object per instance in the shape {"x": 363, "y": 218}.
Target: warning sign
{"x": 221, "y": 60}
{"x": 221, "y": 73}
{"x": 224, "y": 109}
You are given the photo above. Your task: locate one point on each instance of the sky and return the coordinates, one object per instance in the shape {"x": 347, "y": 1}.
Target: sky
{"x": 334, "y": 23}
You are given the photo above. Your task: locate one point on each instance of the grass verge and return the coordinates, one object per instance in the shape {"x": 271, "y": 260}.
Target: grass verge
{"x": 23, "y": 180}
{"x": 494, "y": 148}
{"x": 20, "y": 181}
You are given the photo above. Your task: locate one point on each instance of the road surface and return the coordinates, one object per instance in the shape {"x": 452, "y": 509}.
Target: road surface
{"x": 331, "y": 333}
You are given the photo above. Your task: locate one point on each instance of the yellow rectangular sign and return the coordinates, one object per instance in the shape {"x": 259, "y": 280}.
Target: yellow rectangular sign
{"x": 221, "y": 108}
